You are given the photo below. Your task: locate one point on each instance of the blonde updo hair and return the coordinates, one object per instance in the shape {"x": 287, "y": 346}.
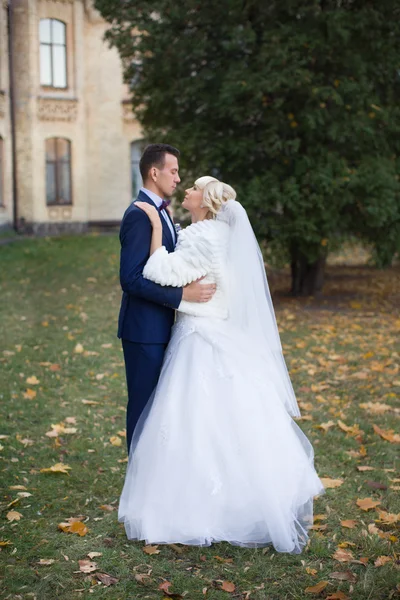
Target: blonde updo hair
{"x": 215, "y": 194}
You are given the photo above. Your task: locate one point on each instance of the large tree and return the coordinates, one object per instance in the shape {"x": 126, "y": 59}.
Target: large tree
{"x": 293, "y": 102}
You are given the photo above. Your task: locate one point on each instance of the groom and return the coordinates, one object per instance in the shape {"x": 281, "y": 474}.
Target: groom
{"x": 147, "y": 309}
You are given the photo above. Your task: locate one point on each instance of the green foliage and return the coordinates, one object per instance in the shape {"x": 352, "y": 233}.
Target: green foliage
{"x": 295, "y": 103}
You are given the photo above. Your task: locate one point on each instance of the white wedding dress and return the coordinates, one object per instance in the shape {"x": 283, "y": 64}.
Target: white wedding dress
{"x": 216, "y": 455}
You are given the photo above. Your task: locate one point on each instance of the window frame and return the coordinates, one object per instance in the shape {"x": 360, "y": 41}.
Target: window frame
{"x": 139, "y": 143}
{"x": 57, "y": 170}
{"x": 51, "y": 44}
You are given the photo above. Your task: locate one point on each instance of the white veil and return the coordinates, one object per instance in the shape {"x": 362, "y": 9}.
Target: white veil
{"x": 249, "y": 299}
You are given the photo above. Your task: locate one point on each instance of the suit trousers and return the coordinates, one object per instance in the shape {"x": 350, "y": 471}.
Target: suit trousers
{"x": 143, "y": 364}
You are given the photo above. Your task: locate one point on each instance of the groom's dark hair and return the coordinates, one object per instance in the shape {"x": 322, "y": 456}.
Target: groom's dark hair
{"x": 154, "y": 156}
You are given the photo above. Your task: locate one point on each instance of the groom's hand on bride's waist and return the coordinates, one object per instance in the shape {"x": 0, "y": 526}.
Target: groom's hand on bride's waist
{"x": 198, "y": 292}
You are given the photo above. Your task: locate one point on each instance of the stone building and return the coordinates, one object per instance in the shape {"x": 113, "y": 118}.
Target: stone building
{"x": 69, "y": 145}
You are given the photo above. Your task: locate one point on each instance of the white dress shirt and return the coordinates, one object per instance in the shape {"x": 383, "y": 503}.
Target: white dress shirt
{"x": 158, "y": 201}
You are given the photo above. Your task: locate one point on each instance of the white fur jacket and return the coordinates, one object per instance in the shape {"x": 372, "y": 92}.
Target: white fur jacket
{"x": 200, "y": 252}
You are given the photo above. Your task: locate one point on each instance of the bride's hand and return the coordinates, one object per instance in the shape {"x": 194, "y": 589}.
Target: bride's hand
{"x": 151, "y": 212}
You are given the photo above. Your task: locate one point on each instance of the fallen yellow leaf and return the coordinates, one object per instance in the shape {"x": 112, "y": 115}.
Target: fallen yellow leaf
{"x": 151, "y": 550}
{"x": 13, "y": 515}
{"x": 74, "y": 526}
{"x": 350, "y": 523}
{"x": 365, "y": 468}
{"x": 326, "y": 426}
{"x": 367, "y": 503}
{"x": 382, "y": 560}
{"x": 388, "y": 518}
{"x": 328, "y": 482}
{"x": 115, "y": 440}
{"x": 342, "y": 555}
{"x": 375, "y": 408}
{"x": 387, "y": 435}
{"x": 228, "y": 586}
{"x": 353, "y": 430}
{"x": 316, "y": 589}
{"x": 57, "y": 468}
{"x": 33, "y": 380}
{"x": 87, "y": 566}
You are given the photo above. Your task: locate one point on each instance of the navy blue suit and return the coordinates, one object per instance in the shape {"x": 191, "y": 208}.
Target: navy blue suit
{"x": 147, "y": 311}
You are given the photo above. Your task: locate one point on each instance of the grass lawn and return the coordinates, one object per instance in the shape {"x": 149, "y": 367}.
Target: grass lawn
{"x": 63, "y": 400}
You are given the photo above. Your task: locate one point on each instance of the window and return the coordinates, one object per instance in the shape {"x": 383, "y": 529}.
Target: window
{"x": 53, "y": 53}
{"x": 136, "y": 178}
{"x": 58, "y": 171}
{"x": 1, "y": 172}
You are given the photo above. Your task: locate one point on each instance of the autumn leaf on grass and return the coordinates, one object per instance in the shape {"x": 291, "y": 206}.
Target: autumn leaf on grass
{"x": 70, "y": 420}
{"x": 344, "y": 576}
{"x": 164, "y": 587}
{"x": 326, "y": 426}
{"x": 78, "y": 349}
{"x": 115, "y": 440}
{"x": 374, "y": 530}
{"x": 319, "y": 527}
{"x": 338, "y": 596}
{"x": 92, "y": 555}
{"x": 388, "y": 518}
{"x": 142, "y": 578}
{"x": 106, "y": 579}
{"x": 376, "y": 408}
{"x": 316, "y": 589}
{"x": 365, "y": 468}
{"x": 151, "y": 550}
{"x": 24, "y": 441}
{"x": 5, "y": 543}
{"x": 57, "y": 468}
{"x": 13, "y": 503}
{"x": 350, "y": 523}
{"x": 367, "y": 503}
{"x": 87, "y": 566}
{"x": 13, "y": 515}
{"x": 29, "y": 394}
{"x": 343, "y": 555}
{"x": 45, "y": 562}
{"x": 389, "y": 435}
{"x": 361, "y": 453}
{"x": 228, "y": 586}
{"x": 328, "y": 482}
{"x": 353, "y": 430}
{"x": 60, "y": 429}
{"x": 382, "y": 560}
{"x": 223, "y": 560}
{"x": 376, "y": 485}
{"x": 88, "y": 402}
{"x": 33, "y": 380}
{"x": 107, "y": 507}
{"x": 74, "y": 526}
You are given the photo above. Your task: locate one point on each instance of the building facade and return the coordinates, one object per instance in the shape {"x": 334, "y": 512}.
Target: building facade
{"x": 69, "y": 144}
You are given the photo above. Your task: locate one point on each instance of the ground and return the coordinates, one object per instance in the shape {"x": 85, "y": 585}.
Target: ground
{"x": 63, "y": 398}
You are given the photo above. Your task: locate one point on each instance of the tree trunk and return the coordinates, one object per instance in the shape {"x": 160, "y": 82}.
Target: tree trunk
{"x": 307, "y": 277}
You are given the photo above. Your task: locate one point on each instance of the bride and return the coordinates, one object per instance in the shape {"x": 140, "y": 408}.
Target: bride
{"x": 216, "y": 455}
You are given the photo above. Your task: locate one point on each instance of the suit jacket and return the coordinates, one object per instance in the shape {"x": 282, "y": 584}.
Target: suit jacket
{"x": 147, "y": 308}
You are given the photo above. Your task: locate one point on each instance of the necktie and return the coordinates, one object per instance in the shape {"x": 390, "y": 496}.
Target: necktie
{"x": 164, "y": 204}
